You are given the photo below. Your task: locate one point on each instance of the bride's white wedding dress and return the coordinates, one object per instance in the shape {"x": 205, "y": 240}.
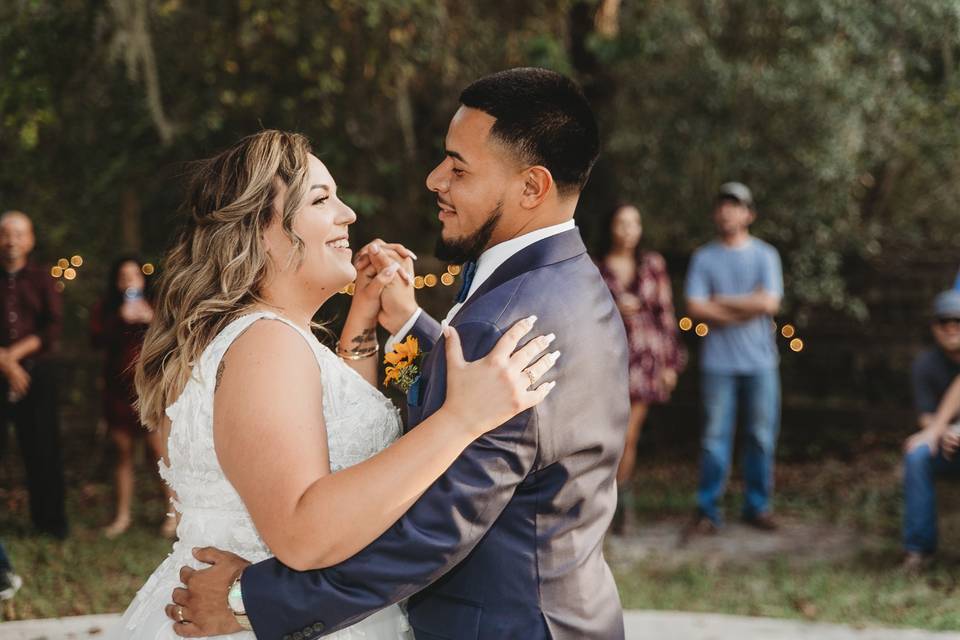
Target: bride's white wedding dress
{"x": 360, "y": 422}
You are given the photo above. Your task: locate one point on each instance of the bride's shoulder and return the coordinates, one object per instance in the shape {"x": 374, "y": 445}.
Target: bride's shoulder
{"x": 269, "y": 350}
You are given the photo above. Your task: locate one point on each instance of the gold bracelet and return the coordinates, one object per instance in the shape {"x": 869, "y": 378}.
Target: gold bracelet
{"x": 359, "y": 354}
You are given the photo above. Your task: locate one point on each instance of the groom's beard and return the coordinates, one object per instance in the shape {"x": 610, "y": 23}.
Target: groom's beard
{"x": 460, "y": 250}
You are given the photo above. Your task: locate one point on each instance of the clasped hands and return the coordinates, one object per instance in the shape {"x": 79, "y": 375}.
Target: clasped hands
{"x": 384, "y": 290}
{"x": 937, "y": 440}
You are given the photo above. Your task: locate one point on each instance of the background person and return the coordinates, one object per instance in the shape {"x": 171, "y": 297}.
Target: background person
{"x": 640, "y": 285}
{"x": 929, "y": 451}
{"x": 118, "y": 324}
{"x": 30, "y": 323}
{"x": 735, "y": 285}
{"x": 10, "y": 582}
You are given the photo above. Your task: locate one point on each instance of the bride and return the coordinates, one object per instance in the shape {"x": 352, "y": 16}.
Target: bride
{"x": 276, "y": 445}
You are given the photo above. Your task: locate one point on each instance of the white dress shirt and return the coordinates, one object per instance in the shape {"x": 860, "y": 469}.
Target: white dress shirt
{"x": 489, "y": 261}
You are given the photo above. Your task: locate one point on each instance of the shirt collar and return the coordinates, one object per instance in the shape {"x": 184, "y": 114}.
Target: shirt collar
{"x": 495, "y": 256}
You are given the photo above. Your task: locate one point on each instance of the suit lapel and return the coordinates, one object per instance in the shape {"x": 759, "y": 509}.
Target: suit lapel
{"x": 552, "y": 250}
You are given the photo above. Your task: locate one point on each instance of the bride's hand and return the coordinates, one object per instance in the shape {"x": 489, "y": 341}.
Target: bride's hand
{"x": 486, "y": 393}
{"x": 392, "y": 262}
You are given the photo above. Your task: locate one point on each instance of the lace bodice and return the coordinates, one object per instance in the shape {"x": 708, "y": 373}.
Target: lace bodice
{"x": 360, "y": 422}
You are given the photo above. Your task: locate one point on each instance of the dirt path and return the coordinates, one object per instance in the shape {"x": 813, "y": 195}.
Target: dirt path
{"x": 736, "y": 544}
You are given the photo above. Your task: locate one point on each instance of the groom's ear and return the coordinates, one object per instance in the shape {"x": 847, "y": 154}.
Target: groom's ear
{"x": 537, "y": 182}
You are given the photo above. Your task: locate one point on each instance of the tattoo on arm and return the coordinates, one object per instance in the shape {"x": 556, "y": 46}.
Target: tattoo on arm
{"x": 220, "y": 369}
{"x": 368, "y": 335}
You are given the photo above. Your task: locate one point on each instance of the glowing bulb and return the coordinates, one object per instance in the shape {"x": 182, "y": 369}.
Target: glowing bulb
{"x": 702, "y": 329}
{"x": 418, "y": 282}
{"x": 796, "y": 345}
{"x": 788, "y": 331}
{"x": 60, "y": 286}
{"x": 69, "y": 273}
{"x": 453, "y": 269}
{"x": 686, "y": 324}
{"x": 63, "y": 263}
{"x": 76, "y": 261}
{"x": 446, "y": 279}
{"x": 147, "y": 269}
{"x": 430, "y": 280}
{"x": 57, "y": 271}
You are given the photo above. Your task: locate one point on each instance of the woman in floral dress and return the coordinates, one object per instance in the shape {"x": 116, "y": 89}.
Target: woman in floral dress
{"x": 640, "y": 285}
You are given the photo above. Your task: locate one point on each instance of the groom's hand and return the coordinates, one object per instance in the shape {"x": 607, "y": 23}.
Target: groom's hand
{"x": 201, "y": 609}
{"x": 398, "y": 300}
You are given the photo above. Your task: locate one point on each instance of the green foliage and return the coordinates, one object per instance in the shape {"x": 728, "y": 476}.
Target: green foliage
{"x": 839, "y": 114}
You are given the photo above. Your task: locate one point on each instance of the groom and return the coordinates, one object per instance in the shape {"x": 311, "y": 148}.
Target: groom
{"x": 508, "y": 542}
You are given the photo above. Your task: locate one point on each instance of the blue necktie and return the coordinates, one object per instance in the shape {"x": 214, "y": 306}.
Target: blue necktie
{"x": 469, "y": 270}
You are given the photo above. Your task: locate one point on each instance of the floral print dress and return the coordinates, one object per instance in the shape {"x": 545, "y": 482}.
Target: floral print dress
{"x": 652, "y": 335}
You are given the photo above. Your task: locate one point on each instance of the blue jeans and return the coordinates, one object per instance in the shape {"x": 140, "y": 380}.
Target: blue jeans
{"x": 758, "y": 395}
{"x": 920, "y": 497}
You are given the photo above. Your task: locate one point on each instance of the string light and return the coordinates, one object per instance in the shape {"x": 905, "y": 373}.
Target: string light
{"x": 63, "y": 270}
{"x": 429, "y": 280}
{"x": 147, "y": 269}
{"x": 788, "y": 331}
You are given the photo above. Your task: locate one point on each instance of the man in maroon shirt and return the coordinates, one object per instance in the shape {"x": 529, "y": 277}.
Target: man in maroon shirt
{"x": 30, "y": 323}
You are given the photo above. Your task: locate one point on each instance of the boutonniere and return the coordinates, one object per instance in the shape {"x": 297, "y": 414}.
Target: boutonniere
{"x": 403, "y": 364}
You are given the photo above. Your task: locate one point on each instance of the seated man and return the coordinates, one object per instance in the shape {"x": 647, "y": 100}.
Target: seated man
{"x": 929, "y": 452}
{"x": 10, "y": 582}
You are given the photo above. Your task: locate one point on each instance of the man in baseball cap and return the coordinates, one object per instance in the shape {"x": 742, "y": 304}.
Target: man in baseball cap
{"x": 929, "y": 451}
{"x": 734, "y": 285}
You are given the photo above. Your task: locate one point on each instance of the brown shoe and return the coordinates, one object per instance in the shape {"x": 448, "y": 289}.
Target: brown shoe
{"x": 763, "y": 522}
{"x": 700, "y": 525}
{"x": 914, "y": 563}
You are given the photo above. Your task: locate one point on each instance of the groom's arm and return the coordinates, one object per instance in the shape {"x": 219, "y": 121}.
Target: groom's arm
{"x": 426, "y": 330}
{"x": 433, "y": 537}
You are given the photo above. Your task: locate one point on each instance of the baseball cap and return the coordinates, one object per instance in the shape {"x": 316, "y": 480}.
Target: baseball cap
{"x": 736, "y": 190}
{"x": 947, "y": 304}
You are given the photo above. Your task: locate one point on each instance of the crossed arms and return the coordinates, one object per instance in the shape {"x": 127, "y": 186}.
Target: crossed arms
{"x": 727, "y": 310}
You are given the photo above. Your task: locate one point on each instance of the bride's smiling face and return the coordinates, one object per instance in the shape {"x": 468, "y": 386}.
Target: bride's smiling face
{"x": 322, "y": 221}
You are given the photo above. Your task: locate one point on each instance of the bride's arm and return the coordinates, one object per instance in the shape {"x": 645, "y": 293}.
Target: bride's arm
{"x": 271, "y": 441}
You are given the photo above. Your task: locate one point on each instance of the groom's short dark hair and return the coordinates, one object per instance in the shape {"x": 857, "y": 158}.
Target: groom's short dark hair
{"x": 544, "y": 116}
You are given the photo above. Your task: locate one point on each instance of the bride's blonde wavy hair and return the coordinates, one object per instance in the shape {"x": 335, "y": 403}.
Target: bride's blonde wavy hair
{"x": 218, "y": 264}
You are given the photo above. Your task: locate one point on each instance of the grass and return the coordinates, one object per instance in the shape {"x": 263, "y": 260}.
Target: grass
{"x": 864, "y": 588}
{"x": 89, "y": 574}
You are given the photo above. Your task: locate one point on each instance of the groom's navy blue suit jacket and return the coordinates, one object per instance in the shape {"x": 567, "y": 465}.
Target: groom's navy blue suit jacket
{"x": 508, "y": 542}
